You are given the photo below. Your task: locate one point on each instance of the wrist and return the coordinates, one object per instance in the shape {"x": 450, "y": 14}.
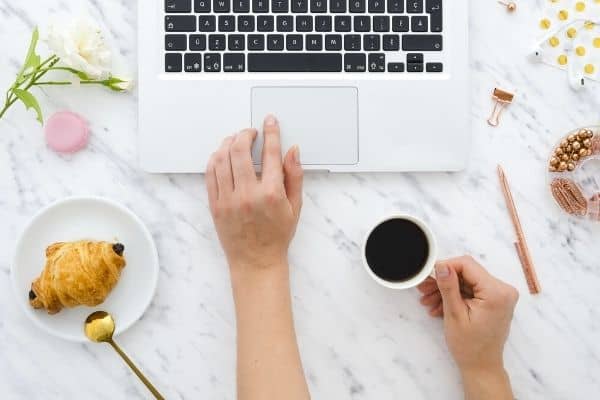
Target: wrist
{"x": 258, "y": 273}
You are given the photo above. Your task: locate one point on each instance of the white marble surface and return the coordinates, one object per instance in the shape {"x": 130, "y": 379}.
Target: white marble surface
{"x": 358, "y": 340}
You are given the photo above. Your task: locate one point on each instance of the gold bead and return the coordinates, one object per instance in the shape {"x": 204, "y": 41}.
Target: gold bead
{"x": 576, "y": 145}
{"x": 553, "y": 169}
{"x": 587, "y": 143}
{"x": 571, "y": 138}
{"x": 570, "y": 166}
{"x": 554, "y": 161}
{"x": 559, "y": 151}
{"x": 565, "y": 157}
{"x": 562, "y": 166}
{"x": 564, "y": 143}
{"x": 588, "y": 152}
{"x": 582, "y": 152}
{"x": 570, "y": 148}
{"x": 575, "y": 157}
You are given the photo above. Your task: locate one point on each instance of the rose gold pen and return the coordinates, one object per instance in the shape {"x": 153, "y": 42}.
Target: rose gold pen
{"x": 520, "y": 244}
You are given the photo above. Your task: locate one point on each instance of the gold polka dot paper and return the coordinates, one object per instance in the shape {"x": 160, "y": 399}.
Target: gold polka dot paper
{"x": 570, "y": 30}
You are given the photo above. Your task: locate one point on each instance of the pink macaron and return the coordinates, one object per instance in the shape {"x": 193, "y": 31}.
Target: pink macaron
{"x": 66, "y": 132}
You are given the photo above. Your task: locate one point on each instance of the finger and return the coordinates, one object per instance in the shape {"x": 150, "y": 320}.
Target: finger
{"x": 429, "y": 286}
{"x": 472, "y": 273}
{"x": 449, "y": 286}
{"x": 437, "y": 311}
{"x": 211, "y": 184}
{"x": 272, "y": 169}
{"x": 241, "y": 159}
{"x": 432, "y": 299}
{"x": 223, "y": 169}
{"x": 294, "y": 176}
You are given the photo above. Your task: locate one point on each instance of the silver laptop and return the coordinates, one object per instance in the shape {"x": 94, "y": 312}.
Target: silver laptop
{"x": 360, "y": 85}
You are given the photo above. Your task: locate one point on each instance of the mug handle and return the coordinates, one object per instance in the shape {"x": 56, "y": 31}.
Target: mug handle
{"x": 466, "y": 290}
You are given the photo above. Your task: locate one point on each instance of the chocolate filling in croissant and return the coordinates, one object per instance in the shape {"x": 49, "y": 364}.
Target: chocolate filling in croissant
{"x": 119, "y": 248}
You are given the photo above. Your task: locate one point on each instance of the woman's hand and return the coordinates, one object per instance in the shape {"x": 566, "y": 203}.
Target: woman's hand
{"x": 255, "y": 217}
{"x": 476, "y": 328}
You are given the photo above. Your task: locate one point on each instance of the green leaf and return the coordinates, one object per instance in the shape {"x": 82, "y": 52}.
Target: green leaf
{"x": 30, "y": 101}
{"x": 32, "y": 60}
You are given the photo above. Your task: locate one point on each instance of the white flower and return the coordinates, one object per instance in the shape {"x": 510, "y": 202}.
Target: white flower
{"x": 126, "y": 85}
{"x": 80, "y": 45}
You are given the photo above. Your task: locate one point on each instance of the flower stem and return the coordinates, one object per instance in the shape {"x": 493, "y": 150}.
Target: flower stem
{"x": 51, "y": 83}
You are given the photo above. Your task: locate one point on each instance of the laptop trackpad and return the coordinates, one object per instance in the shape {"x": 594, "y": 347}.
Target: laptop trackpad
{"x": 322, "y": 121}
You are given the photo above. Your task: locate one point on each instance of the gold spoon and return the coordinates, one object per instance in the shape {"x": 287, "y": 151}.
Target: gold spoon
{"x": 99, "y": 327}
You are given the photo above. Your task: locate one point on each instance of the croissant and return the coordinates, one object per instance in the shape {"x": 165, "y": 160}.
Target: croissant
{"x": 77, "y": 273}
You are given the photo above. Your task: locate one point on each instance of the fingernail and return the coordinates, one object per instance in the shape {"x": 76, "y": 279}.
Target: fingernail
{"x": 442, "y": 271}
{"x": 270, "y": 120}
{"x": 296, "y": 155}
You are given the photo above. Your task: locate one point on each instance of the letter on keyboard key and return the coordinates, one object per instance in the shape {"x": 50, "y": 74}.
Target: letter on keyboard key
{"x": 202, "y": 6}
{"x": 241, "y": 6}
{"x": 294, "y": 62}
{"x": 395, "y": 6}
{"x": 221, "y": 6}
{"x": 178, "y": 6}
{"x": 318, "y": 6}
{"x": 279, "y": 6}
{"x": 422, "y": 43}
{"x": 260, "y": 6}
{"x": 180, "y": 23}
{"x": 299, "y": 6}
{"x": 414, "y": 6}
{"x": 233, "y": 62}
{"x": 337, "y": 6}
{"x": 355, "y": 62}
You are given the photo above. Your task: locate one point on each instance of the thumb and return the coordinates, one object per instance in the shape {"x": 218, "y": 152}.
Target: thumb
{"x": 294, "y": 176}
{"x": 449, "y": 286}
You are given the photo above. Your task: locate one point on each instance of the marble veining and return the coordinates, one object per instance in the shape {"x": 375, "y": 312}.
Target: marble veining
{"x": 358, "y": 340}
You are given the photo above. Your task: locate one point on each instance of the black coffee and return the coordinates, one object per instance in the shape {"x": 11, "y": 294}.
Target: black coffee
{"x": 397, "y": 250}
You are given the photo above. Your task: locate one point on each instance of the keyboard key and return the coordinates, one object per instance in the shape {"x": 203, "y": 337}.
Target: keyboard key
{"x": 294, "y": 62}
{"x": 180, "y": 23}
{"x": 434, "y": 67}
{"x": 377, "y": 6}
{"x": 396, "y": 67}
{"x": 371, "y": 42}
{"x": 355, "y": 62}
{"x": 337, "y": 6}
{"x": 358, "y": 6}
{"x": 207, "y": 23}
{"x": 414, "y": 67}
{"x": 333, "y": 42}
{"x": 197, "y": 42}
{"x": 419, "y": 23}
{"x": 396, "y": 6}
{"x": 246, "y": 23}
{"x": 178, "y": 6}
{"x": 294, "y": 42}
{"x": 234, "y": 62}
{"x": 318, "y": 6}
{"x": 280, "y": 6}
{"x": 381, "y": 23}
{"x": 173, "y": 62}
{"x": 376, "y": 62}
{"x": 285, "y": 23}
{"x": 414, "y": 6}
{"x": 226, "y": 23}
{"x": 434, "y": 8}
{"x": 342, "y": 23}
{"x": 193, "y": 62}
{"x": 202, "y": 6}
{"x": 275, "y": 42}
{"x": 299, "y": 6}
{"x": 391, "y": 42}
{"x": 221, "y": 6}
{"x": 414, "y": 58}
{"x": 212, "y": 62}
{"x": 314, "y": 42}
{"x": 236, "y": 42}
{"x": 260, "y": 6}
{"x": 362, "y": 23}
{"x": 175, "y": 43}
{"x": 352, "y": 42}
{"x": 323, "y": 23}
{"x": 256, "y": 42}
{"x": 422, "y": 43}
{"x": 304, "y": 23}
{"x": 266, "y": 23}
{"x": 400, "y": 24}
{"x": 216, "y": 42}
{"x": 241, "y": 6}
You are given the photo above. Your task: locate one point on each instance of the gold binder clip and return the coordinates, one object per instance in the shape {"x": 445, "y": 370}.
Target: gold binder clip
{"x": 502, "y": 99}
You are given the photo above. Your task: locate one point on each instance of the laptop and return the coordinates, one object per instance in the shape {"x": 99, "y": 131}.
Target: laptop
{"x": 359, "y": 85}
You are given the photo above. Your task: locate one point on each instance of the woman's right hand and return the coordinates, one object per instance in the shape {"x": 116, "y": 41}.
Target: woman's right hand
{"x": 476, "y": 328}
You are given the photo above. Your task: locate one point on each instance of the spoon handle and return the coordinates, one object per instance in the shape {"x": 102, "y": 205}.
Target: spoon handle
{"x": 139, "y": 374}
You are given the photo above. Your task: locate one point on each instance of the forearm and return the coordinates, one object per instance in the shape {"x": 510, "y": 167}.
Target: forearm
{"x": 485, "y": 384}
{"x": 268, "y": 360}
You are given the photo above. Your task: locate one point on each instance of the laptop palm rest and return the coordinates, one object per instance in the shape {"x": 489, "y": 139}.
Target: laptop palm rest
{"x": 323, "y": 121}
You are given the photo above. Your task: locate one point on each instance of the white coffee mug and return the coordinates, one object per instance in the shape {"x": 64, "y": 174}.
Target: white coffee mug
{"x": 428, "y": 267}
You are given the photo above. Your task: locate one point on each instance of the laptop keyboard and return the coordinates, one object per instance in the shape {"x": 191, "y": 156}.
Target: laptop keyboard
{"x": 372, "y": 36}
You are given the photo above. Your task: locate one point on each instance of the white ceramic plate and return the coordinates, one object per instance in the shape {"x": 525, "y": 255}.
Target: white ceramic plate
{"x": 93, "y": 218}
